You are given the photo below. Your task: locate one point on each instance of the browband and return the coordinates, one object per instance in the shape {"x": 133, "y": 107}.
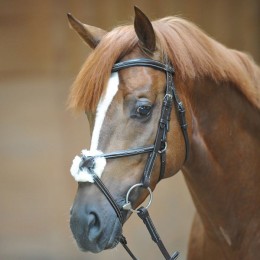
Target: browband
{"x": 143, "y": 63}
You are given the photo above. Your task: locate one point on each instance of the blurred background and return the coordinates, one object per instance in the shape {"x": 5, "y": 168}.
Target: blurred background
{"x": 40, "y": 57}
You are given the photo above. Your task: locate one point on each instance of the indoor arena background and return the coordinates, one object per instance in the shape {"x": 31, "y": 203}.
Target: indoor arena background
{"x": 39, "y": 58}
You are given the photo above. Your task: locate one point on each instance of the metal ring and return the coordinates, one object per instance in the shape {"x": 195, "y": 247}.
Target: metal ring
{"x": 129, "y": 203}
{"x": 164, "y": 149}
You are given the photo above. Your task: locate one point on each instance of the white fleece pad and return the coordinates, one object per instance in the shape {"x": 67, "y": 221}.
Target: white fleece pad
{"x": 84, "y": 175}
{"x": 100, "y": 162}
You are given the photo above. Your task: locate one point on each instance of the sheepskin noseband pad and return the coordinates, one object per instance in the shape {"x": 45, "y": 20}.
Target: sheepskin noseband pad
{"x": 82, "y": 174}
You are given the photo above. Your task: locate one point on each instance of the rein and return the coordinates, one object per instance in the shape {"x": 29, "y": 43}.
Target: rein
{"x": 159, "y": 147}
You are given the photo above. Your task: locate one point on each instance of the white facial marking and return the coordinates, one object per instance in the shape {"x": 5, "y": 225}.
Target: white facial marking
{"x": 102, "y": 108}
{"x": 82, "y": 175}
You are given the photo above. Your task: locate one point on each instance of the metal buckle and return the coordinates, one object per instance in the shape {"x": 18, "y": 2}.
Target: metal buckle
{"x": 164, "y": 149}
{"x": 128, "y": 205}
{"x": 168, "y": 96}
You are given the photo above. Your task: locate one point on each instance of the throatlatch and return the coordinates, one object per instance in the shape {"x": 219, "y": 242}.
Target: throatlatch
{"x": 159, "y": 147}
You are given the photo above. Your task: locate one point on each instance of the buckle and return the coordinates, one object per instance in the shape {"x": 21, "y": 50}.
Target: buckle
{"x": 168, "y": 97}
{"x": 163, "y": 149}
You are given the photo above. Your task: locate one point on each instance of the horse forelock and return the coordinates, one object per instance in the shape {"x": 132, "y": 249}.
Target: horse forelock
{"x": 193, "y": 54}
{"x": 92, "y": 80}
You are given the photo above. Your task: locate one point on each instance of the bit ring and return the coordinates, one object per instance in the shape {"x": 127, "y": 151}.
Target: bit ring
{"x": 128, "y": 205}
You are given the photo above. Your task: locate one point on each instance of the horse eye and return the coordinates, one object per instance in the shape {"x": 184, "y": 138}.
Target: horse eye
{"x": 144, "y": 110}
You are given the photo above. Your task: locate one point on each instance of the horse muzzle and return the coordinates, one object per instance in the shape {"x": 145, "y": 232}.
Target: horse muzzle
{"x": 92, "y": 234}
{"x": 94, "y": 225}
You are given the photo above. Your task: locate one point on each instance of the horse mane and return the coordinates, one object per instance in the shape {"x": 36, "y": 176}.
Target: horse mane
{"x": 193, "y": 54}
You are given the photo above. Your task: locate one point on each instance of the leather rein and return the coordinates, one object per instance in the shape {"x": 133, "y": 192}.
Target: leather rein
{"x": 159, "y": 147}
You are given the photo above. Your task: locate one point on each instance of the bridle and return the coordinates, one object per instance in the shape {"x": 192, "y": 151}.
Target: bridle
{"x": 159, "y": 147}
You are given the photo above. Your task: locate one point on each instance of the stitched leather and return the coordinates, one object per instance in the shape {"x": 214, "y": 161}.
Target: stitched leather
{"x": 144, "y": 215}
{"x": 129, "y": 152}
{"x": 113, "y": 203}
{"x": 142, "y": 63}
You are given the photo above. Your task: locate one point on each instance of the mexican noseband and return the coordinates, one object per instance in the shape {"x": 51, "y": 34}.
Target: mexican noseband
{"x": 158, "y": 148}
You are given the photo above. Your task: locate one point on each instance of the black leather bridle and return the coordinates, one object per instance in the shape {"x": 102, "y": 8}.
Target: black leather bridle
{"x": 159, "y": 147}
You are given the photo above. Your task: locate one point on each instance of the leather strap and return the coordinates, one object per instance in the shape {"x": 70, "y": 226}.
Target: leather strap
{"x": 129, "y": 152}
{"x": 113, "y": 203}
{"x": 144, "y": 215}
{"x": 142, "y": 63}
{"x": 163, "y": 165}
{"x": 163, "y": 128}
{"x": 124, "y": 244}
{"x": 107, "y": 194}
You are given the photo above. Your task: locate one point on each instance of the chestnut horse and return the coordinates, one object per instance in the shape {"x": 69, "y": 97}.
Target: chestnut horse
{"x": 219, "y": 88}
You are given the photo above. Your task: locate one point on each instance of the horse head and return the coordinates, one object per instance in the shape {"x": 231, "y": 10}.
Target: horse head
{"x": 124, "y": 109}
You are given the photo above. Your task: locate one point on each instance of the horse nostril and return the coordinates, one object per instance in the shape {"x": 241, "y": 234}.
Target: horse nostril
{"x": 93, "y": 226}
{"x": 86, "y": 227}
{"x": 92, "y": 219}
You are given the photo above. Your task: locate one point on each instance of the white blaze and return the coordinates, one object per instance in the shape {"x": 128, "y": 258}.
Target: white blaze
{"x": 100, "y": 162}
{"x": 102, "y": 108}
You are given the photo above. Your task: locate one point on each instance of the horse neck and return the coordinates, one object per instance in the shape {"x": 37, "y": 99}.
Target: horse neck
{"x": 222, "y": 170}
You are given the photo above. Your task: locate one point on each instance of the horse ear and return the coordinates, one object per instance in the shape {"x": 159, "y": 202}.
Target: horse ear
{"x": 144, "y": 30}
{"x": 90, "y": 34}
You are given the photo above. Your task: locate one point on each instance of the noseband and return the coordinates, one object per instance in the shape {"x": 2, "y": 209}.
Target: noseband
{"x": 159, "y": 147}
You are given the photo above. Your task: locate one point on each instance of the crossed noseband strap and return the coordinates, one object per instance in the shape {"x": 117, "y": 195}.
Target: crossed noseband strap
{"x": 159, "y": 147}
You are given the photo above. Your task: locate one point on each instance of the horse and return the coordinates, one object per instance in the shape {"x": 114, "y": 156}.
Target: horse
{"x": 219, "y": 89}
